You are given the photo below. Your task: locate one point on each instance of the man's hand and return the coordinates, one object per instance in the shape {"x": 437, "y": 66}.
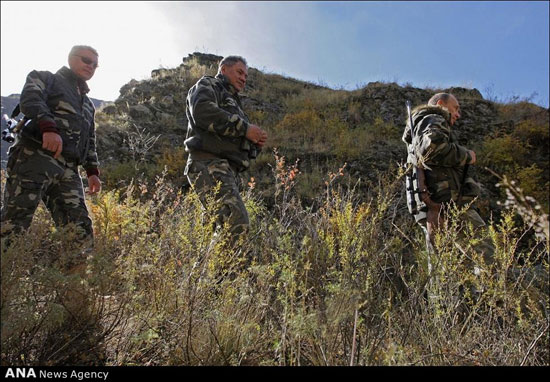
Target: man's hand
{"x": 256, "y": 135}
{"x": 473, "y": 155}
{"x": 94, "y": 185}
{"x": 52, "y": 142}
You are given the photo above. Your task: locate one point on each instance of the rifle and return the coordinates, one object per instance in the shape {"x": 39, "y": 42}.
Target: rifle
{"x": 12, "y": 125}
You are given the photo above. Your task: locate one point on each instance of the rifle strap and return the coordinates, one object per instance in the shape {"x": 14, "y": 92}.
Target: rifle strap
{"x": 15, "y": 111}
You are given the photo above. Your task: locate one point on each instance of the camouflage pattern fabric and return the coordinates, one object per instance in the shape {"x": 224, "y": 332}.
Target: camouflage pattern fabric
{"x": 217, "y": 122}
{"x": 434, "y": 145}
{"x": 34, "y": 175}
{"x": 55, "y": 101}
{"x": 204, "y": 176}
{"x": 217, "y": 128}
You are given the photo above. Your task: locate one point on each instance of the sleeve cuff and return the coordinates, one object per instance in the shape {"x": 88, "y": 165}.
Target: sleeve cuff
{"x": 47, "y": 126}
{"x": 468, "y": 157}
{"x": 92, "y": 171}
{"x": 246, "y": 126}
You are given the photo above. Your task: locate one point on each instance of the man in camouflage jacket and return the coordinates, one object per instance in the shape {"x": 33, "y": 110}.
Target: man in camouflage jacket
{"x": 221, "y": 141}
{"x": 432, "y": 144}
{"x": 43, "y": 163}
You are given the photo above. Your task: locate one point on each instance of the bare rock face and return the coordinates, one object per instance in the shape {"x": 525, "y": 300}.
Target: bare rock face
{"x": 140, "y": 112}
{"x": 202, "y": 59}
{"x": 388, "y": 101}
{"x": 164, "y": 94}
{"x": 109, "y": 109}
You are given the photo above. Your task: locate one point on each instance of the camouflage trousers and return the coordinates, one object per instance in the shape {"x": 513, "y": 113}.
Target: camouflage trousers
{"x": 34, "y": 175}
{"x": 204, "y": 175}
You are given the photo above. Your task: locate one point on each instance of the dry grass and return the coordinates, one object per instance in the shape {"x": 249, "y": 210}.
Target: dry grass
{"x": 343, "y": 282}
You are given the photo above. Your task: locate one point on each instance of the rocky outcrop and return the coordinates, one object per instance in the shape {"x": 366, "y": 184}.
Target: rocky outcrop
{"x": 155, "y": 108}
{"x": 157, "y": 105}
{"x": 387, "y": 100}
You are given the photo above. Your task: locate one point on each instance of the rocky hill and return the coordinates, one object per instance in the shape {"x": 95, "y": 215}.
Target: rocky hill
{"x": 142, "y": 132}
{"x": 323, "y": 128}
{"x": 156, "y": 107}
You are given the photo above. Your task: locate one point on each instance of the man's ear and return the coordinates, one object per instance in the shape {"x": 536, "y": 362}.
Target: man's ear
{"x": 70, "y": 61}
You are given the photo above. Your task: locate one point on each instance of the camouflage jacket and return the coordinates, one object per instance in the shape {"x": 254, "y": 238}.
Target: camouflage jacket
{"x": 53, "y": 103}
{"x": 432, "y": 144}
{"x": 217, "y": 122}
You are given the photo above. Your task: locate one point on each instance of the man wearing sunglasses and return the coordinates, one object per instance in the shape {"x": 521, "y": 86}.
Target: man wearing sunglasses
{"x": 59, "y": 137}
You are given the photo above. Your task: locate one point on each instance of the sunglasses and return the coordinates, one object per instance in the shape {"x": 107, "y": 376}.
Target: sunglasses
{"x": 87, "y": 61}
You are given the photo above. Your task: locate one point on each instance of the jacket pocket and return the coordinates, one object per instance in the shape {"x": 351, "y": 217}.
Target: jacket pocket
{"x": 69, "y": 129}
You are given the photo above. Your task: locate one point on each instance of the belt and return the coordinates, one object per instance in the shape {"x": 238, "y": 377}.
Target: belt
{"x": 205, "y": 155}
{"x": 202, "y": 155}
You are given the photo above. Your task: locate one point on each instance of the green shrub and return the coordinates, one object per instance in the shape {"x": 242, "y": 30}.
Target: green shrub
{"x": 503, "y": 151}
{"x": 521, "y": 154}
{"x": 343, "y": 282}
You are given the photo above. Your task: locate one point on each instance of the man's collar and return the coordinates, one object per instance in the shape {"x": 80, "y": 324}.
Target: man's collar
{"x": 432, "y": 109}
{"x": 227, "y": 84}
{"x": 71, "y": 76}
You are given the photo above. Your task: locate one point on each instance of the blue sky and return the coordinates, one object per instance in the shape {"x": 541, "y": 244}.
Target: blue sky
{"x": 500, "y": 48}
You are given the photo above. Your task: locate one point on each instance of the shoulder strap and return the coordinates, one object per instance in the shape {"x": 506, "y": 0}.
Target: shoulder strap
{"x": 15, "y": 112}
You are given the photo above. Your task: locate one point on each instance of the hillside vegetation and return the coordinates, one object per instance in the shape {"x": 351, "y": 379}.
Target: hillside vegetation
{"x": 144, "y": 130}
{"x": 333, "y": 271}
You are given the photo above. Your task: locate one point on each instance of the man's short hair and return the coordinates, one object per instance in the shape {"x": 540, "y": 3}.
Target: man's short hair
{"x": 77, "y": 48}
{"x": 230, "y": 61}
{"x": 439, "y": 96}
